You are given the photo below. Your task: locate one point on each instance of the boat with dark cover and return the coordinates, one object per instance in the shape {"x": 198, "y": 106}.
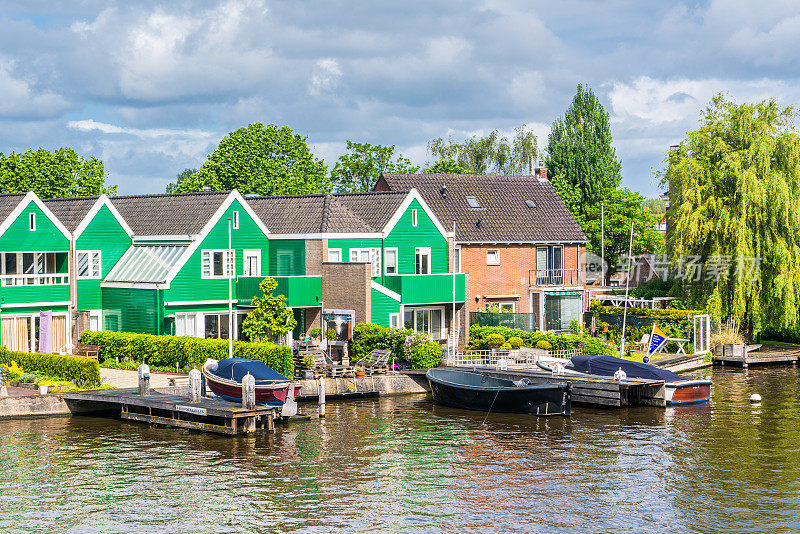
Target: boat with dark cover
{"x": 677, "y": 389}
{"x": 224, "y": 378}
{"x": 477, "y": 391}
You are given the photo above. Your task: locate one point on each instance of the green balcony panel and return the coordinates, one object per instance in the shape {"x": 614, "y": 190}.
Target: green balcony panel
{"x": 426, "y": 288}
{"x": 300, "y": 291}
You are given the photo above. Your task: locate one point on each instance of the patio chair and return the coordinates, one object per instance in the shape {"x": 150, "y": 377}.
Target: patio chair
{"x": 644, "y": 343}
{"x": 376, "y": 362}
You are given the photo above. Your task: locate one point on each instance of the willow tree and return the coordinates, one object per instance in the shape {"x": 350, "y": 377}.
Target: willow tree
{"x": 734, "y": 187}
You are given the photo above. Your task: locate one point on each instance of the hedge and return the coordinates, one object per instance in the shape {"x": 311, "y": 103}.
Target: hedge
{"x": 671, "y": 315}
{"x": 55, "y": 365}
{"x": 163, "y": 351}
{"x": 369, "y": 336}
{"x": 478, "y": 339}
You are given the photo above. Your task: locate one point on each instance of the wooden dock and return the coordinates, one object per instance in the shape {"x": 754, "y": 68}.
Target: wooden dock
{"x": 592, "y": 390}
{"x": 766, "y": 355}
{"x": 208, "y": 415}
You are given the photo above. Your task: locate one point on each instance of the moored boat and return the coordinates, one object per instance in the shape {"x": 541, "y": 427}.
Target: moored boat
{"x": 224, "y": 378}
{"x": 677, "y": 389}
{"x": 476, "y": 391}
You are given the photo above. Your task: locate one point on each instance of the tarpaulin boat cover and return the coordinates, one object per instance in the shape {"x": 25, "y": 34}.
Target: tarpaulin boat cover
{"x": 608, "y": 365}
{"x": 237, "y": 368}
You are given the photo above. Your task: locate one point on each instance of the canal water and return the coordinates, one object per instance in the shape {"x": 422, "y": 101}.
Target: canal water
{"x": 402, "y": 465}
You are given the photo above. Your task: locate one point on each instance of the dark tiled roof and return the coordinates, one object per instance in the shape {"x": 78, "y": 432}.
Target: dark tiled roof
{"x": 332, "y": 213}
{"x": 503, "y": 215}
{"x": 9, "y": 201}
{"x": 70, "y": 211}
{"x": 172, "y": 214}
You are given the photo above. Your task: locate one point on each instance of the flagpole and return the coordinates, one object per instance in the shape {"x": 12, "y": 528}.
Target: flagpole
{"x": 230, "y": 291}
{"x": 627, "y": 286}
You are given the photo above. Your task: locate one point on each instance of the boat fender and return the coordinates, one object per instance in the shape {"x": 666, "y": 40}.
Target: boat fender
{"x": 755, "y": 397}
{"x": 522, "y": 383}
{"x": 502, "y": 364}
{"x": 620, "y": 375}
{"x": 558, "y": 369}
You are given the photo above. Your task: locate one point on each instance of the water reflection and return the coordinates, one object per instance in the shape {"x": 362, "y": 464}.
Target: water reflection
{"x": 401, "y": 464}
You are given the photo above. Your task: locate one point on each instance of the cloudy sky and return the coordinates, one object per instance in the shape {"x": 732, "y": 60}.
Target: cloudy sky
{"x": 151, "y": 87}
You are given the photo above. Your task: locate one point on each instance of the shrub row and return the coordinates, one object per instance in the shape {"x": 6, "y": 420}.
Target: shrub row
{"x": 478, "y": 339}
{"x": 370, "y": 336}
{"x": 55, "y": 365}
{"x": 163, "y": 351}
{"x": 672, "y": 315}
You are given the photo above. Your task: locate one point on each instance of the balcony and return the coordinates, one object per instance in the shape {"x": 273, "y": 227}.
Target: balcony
{"x": 554, "y": 277}
{"x": 300, "y": 291}
{"x": 426, "y": 288}
{"x": 53, "y": 279}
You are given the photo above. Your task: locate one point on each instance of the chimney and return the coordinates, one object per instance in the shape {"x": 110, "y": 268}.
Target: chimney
{"x": 540, "y": 172}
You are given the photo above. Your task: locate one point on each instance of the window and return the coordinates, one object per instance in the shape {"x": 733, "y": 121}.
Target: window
{"x": 235, "y": 220}
{"x": 458, "y": 260}
{"x": 394, "y": 320}
{"x": 473, "y": 202}
{"x": 10, "y": 263}
{"x": 367, "y": 255}
{"x": 186, "y": 324}
{"x": 94, "y": 320}
{"x": 391, "y": 261}
{"x": 493, "y": 256}
{"x": 413, "y": 217}
{"x": 32, "y": 222}
{"x": 218, "y": 264}
{"x": 422, "y": 262}
{"x": 506, "y": 307}
{"x": 252, "y": 262}
{"x": 335, "y": 255}
{"x": 426, "y": 320}
{"x": 89, "y": 264}
{"x": 549, "y": 265}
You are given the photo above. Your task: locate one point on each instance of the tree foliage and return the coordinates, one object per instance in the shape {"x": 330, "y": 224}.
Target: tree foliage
{"x": 187, "y": 174}
{"x": 446, "y": 166}
{"x": 734, "y": 185}
{"x": 622, "y": 207}
{"x": 270, "y": 318}
{"x": 265, "y": 160}
{"x": 359, "y": 169}
{"x": 62, "y": 173}
{"x": 581, "y": 161}
{"x": 492, "y": 154}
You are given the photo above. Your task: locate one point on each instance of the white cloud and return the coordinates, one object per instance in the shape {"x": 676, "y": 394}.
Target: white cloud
{"x": 19, "y": 98}
{"x": 325, "y": 78}
{"x": 89, "y": 125}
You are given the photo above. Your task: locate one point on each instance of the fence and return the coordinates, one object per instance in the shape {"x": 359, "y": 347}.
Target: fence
{"x": 522, "y": 321}
{"x": 522, "y": 358}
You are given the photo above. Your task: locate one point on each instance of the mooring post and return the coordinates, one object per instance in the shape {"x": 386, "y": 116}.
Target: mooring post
{"x": 249, "y": 392}
{"x": 3, "y": 388}
{"x": 144, "y": 380}
{"x": 321, "y": 395}
{"x": 195, "y": 377}
{"x": 203, "y": 392}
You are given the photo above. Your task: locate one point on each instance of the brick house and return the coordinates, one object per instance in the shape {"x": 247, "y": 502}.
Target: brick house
{"x": 515, "y": 239}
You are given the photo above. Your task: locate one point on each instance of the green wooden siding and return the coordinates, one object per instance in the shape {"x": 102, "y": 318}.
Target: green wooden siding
{"x": 300, "y": 291}
{"x": 133, "y": 310}
{"x": 347, "y": 244}
{"x": 406, "y": 238}
{"x": 104, "y": 233}
{"x": 188, "y": 284}
{"x": 427, "y": 289}
{"x": 287, "y": 257}
{"x": 381, "y": 307}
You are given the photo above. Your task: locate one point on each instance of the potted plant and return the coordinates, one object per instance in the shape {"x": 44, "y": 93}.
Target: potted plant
{"x": 308, "y": 362}
{"x": 315, "y": 333}
{"x": 360, "y": 371}
{"x": 330, "y": 334}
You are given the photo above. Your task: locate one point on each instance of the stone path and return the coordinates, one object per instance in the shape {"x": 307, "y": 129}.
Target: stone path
{"x": 129, "y": 378}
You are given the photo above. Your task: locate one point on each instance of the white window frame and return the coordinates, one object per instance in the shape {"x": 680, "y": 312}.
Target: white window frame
{"x": 98, "y": 316}
{"x": 337, "y": 252}
{"x": 422, "y": 251}
{"x": 184, "y": 319}
{"x": 414, "y": 218}
{"x": 512, "y": 304}
{"x": 394, "y": 320}
{"x": 246, "y": 255}
{"x": 235, "y": 220}
{"x": 228, "y": 263}
{"x": 442, "y": 325}
{"x": 374, "y": 261}
{"x": 396, "y": 260}
{"x": 32, "y": 221}
{"x": 458, "y": 260}
{"x": 95, "y": 264}
{"x": 490, "y": 261}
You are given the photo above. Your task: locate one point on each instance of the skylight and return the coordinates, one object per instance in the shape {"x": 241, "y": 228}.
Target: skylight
{"x": 530, "y": 203}
{"x": 473, "y": 202}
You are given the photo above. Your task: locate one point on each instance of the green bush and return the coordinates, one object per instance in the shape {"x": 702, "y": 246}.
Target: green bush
{"x": 370, "y": 336}
{"x": 515, "y": 342}
{"x": 427, "y": 355}
{"x": 544, "y": 345}
{"x": 166, "y": 351}
{"x": 54, "y": 365}
{"x": 315, "y": 332}
{"x": 495, "y": 340}
{"x": 671, "y": 315}
{"x": 505, "y": 346}
{"x": 478, "y": 339}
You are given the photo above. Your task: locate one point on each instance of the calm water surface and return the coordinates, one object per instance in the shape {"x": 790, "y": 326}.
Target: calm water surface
{"x": 403, "y": 465}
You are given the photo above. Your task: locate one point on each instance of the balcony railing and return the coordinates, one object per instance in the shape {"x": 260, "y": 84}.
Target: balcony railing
{"x": 426, "y": 288}
{"x": 300, "y": 291}
{"x": 554, "y": 277}
{"x": 53, "y": 279}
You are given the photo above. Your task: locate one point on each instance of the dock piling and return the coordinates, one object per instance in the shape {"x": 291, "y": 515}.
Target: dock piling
{"x": 321, "y": 395}
{"x": 249, "y": 392}
{"x": 195, "y": 377}
{"x": 144, "y": 380}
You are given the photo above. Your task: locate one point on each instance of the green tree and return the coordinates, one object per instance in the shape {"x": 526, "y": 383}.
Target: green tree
{"x": 187, "y": 174}
{"x": 656, "y": 206}
{"x": 270, "y": 318}
{"x": 446, "y": 166}
{"x": 734, "y": 185}
{"x": 491, "y": 154}
{"x": 621, "y": 207}
{"x": 265, "y": 160}
{"x": 581, "y": 161}
{"x": 359, "y": 169}
{"x": 62, "y": 173}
